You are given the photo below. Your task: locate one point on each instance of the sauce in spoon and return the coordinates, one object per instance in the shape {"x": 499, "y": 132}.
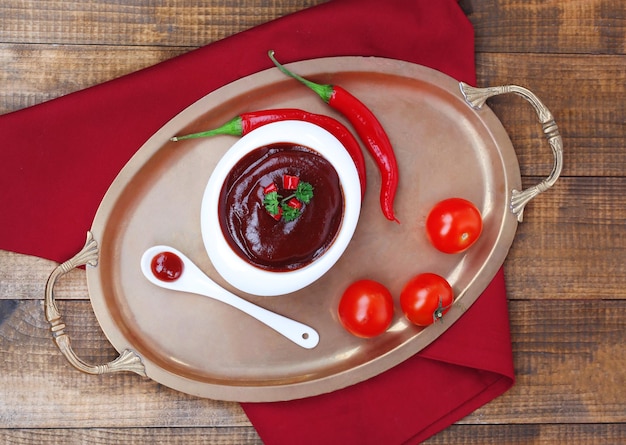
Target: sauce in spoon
{"x": 167, "y": 266}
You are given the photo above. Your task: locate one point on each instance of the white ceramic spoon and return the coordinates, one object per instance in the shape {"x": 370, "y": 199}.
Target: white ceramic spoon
{"x": 194, "y": 281}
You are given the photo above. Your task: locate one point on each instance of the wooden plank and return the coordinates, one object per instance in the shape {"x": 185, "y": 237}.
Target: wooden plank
{"x": 568, "y": 359}
{"x": 38, "y": 73}
{"x": 23, "y": 277}
{"x": 536, "y": 26}
{"x": 582, "y": 27}
{"x": 591, "y": 113}
{"x": 570, "y": 246}
{"x": 139, "y": 23}
{"x": 538, "y": 434}
{"x": 456, "y": 434}
{"x": 586, "y": 95}
{"x": 130, "y": 436}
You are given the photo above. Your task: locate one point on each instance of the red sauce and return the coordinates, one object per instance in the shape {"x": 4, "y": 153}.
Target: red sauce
{"x": 254, "y": 234}
{"x": 167, "y": 266}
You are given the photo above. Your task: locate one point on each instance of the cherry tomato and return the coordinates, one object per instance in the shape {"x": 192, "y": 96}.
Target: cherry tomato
{"x": 366, "y": 308}
{"x": 453, "y": 225}
{"x": 426, "y": 298}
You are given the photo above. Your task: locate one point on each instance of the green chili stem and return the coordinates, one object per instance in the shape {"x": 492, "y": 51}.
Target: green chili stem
{"x": 233, "y": 127}
{"x": 323, "y": 91}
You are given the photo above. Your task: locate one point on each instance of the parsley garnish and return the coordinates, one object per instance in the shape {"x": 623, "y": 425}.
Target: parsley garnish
{"x": 285, "y": 207}
{"x": 290, "y": 213}
{"x": 304, "y": 192}
{"x": 271, "y": 203}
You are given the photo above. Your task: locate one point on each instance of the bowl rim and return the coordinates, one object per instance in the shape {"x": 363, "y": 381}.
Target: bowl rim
{"x": 229, "y": 265}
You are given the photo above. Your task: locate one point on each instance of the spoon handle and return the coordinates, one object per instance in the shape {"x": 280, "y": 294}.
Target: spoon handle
{"x": 299, "y": 333}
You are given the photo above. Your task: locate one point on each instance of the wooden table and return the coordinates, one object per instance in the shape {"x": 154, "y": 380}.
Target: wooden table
{"x": 566, "y": 272}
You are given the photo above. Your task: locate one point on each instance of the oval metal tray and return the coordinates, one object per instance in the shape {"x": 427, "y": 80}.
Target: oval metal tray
{"x": 445, "y": 147}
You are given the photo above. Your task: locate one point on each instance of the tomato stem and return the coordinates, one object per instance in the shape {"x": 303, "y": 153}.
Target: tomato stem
{"x": 438, "y": 313}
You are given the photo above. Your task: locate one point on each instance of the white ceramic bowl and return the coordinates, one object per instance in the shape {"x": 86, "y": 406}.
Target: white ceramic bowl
{"x": 242, "y": 274}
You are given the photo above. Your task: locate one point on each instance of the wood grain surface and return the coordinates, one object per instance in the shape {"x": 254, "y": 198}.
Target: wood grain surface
{"x": 566, "y": 272}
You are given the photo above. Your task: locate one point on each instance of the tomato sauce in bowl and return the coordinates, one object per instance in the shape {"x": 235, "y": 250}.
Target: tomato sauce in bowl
{"x": 280, "y": 208}
{"x": 273, "y": 243}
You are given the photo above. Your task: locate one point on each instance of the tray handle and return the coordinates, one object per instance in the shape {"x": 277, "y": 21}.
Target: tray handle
{"x": 476, "y": 98}
{"x": 127, "y": 361}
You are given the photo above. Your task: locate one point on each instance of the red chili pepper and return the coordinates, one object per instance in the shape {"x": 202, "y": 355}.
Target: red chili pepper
{"x": 246, "y": 122}
{"x": 290, "y": 182}
{"x": 270, "y": 188}
{"x": 278, "y": 215}
{"x": 368, "y": 128}
{"x": 294, "y": 203}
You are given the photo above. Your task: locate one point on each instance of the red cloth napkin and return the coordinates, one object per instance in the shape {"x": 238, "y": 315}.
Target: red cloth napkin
{"x": 58, "y": 159}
